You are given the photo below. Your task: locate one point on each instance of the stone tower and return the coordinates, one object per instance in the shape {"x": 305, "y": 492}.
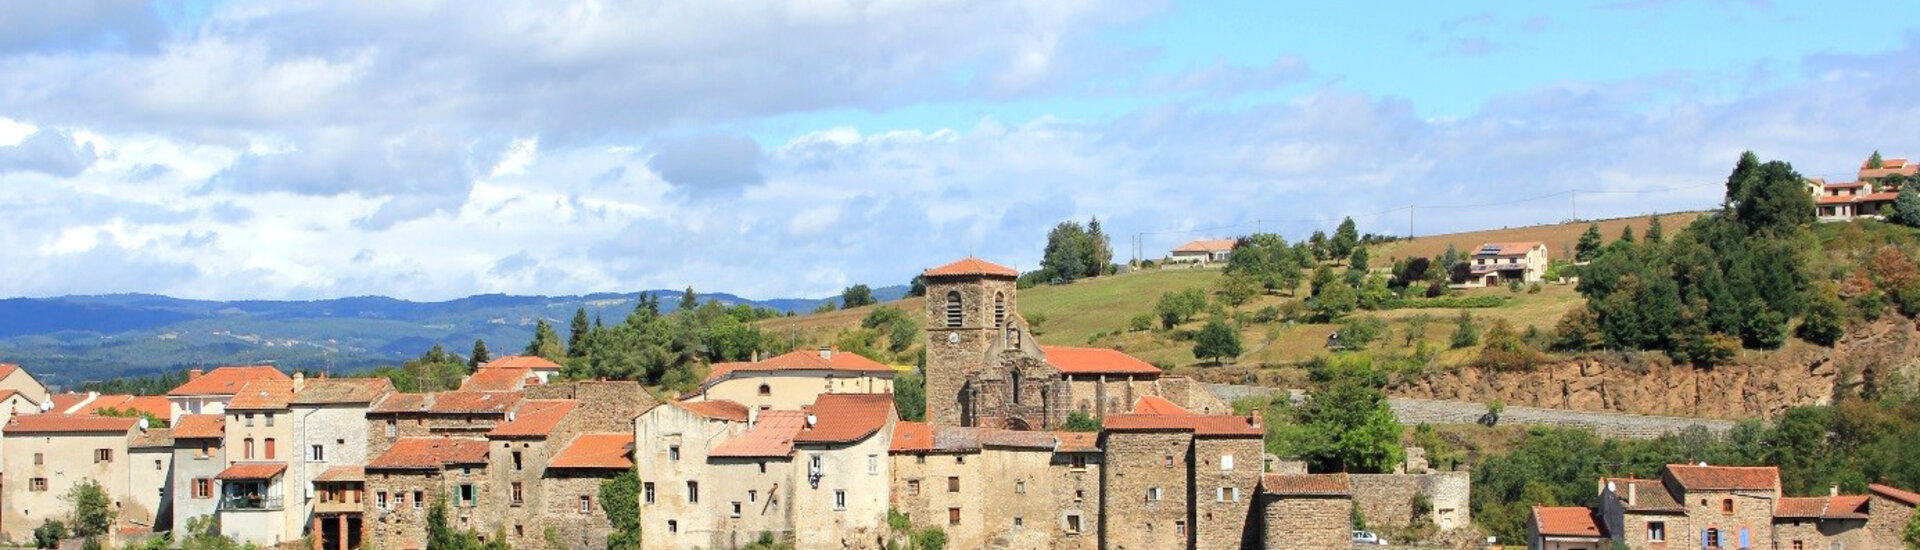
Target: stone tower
{"x": 968, "y": 302}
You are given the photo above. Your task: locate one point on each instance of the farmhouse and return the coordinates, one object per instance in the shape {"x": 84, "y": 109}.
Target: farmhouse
{"x": 1202, "y": 252}
{"x": 1494, "y": 264}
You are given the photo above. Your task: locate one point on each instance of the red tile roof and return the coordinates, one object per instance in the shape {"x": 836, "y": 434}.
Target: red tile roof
{"x": 1908, "y": 497}
{"x": 718, "y": 409}
{"x": 1210, "y": 425}
{"x": 1075, "y": 360}
{"x": 846, "y": 417}
{"x": 451, "y": 402}
{"x": 68, "y": 423}
{"x": 1845, "y": 185}
{"x": 1154, "y": 404}
{"x": 227, "y": 380}
{"x": 342, "y": 473}
{"x": 1649, "y": 495}
{"x": 499, "y": 379}
{"x": 1885, "y": 164}
{"x": 78, "y": 403}
{"x": 1725, "y": 478}
{"x": 262, "y": 394}
{"x": 1507, "y": 249}
{"x": 771, "y": 436}
{"x": 151, "y": 438}
{"x": 8, "y": 368}
{"x": 1206, "y": 245}
{"x": 64, "y": 402}
{"x": 1306, "y": 484}
{"x": 342, "y": 390}
{"x": 596, "y": 450}
{"x": 1073, "y": 442}
{"x": 1567, "y": 521}
{"x": 253, "y": 470}
{"x": 972, "y": 266}
{"x": 1833, "y": 507}
{"x": 190, "y": 426}
{"x": 911, "y": 437}
{"x": 156, "y": 405}
{"x": 834, "y": 360}
{"x": 535, "y": 418}
{"x": 533, "y": 362}
{"x": 1835, "y": 199}
{"x": 417, "y": 453}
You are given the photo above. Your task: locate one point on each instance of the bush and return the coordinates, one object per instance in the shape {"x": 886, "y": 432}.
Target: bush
{"x": 931, "y": 538}
{"x": 1141, "y": 323}
{"x": 1267, "y": 314}
{"x": 1466, "y": 333}
{"x": 1533, "y": 288}
{"x": 1079, "y": 421}
{"x": 1823, "y": 324}
{"x": 1436, "y": 289}
{"x": 1359, "y": 332}
{"x": 1513, "y": 286}
{"x": 48, "y": 534}
{"x": 1505, "y": 350}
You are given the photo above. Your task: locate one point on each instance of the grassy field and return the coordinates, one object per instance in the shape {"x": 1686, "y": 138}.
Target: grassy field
{"x": 1097, "y": 312}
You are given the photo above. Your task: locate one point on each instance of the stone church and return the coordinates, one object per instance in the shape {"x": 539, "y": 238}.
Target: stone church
{"x": 984, "y": 368}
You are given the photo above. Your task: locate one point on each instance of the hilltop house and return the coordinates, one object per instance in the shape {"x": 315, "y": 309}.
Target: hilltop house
{"x": 1494, "y": 264}
{"x": 1202, "y": 252}
{"x": 1870, "y": 195}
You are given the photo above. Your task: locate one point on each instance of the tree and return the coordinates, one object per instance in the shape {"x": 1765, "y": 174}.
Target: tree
{"x": 689, "y": 300}
{"x": 1345, "y": 238}
{"x": 546, "y": 342}
{"x": 479, "y": 357}
{"x": 1626, "y": 234}
{"x": 1317, "y": 244}
{"x": 1336, "y": 299}
{"x": 1236, "y": 289}
{"x": 910, "y": 396}
{"x": 577, "y": 340}
{"x": 620, "y": 499}
{"x": 1825, "y": 322}
{"x": 1080, "y": 421}
{"x": 48, "y": 534}
{"x": 917, "y": 286}
{"x": 856, "y": 296}
{"x": 1875, "y": 162}
{"x": 1589, "y": 244}
{"x": 1099, "y": 249}
{"x": 1321, "y": 276}
{"x": 1906, "y": 205}
{"x": 1268, "y": 259}
{"x": 1358, "y": 260}
{"x": 1217, "y": 341}
{"x": 1465, "y": 332}
{"x": 92, "y": 509}
{"x": 1655, "y": 233}
{"x": 1349, "y": 428}
{"x": 1075, "y": 251}
{"x": 1180, "y": 306}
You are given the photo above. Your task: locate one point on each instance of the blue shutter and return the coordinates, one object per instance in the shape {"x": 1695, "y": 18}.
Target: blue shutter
{"x": 1743, "y": 538}
{"x": 1703, "y": 538}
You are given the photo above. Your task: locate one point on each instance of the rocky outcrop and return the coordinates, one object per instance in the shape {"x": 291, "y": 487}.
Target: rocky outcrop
{"x": 1758, "y": 385}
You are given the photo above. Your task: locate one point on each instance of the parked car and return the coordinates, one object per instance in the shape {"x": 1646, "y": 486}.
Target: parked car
{"x": 1367, "y": 537}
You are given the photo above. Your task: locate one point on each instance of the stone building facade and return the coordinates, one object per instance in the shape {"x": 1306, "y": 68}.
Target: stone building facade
{"x": 407, "y": 478}
{"x": 1701, "y": 506}
{"x": 998, "y": 488}
{"x": 1387, "y": 499}
{"x": 1304, "y": 511}
{"x": 199, "y": 454}
{"x": 149, "y": 503}
{"x": 48, "y": 454}
{"x": 1176, "y": 479}
{"x": 1888, "y": 511}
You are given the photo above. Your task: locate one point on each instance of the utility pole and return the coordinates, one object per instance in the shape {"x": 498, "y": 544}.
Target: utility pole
{"x": 1409, "y": 222}
{"x": 1573, "y": 201}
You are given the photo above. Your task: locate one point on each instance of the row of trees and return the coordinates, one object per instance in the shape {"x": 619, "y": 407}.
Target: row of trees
{"x": 1074, "y": 251}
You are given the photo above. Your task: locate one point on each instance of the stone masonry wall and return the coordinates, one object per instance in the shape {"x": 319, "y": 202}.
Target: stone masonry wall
{"x": 1886, "y": 519}
{"x": 1076, "y": 492}
{"x": 1387, "y": 499}
{"x": 1137, "y": 462}
{"x": 1223, "y": 497}
{"x": 1305, "y": 523}
{"x": 1606, "y": 424}
{"x": 560, "y": 510}
{"x": 949, "y": 362}
{"x": 1751, "y": 511}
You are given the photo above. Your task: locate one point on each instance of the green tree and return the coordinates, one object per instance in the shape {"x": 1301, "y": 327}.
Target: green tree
{"x": 620, "y": 499}
{"x": 1080, "y": 421}
{"x": 1589, "y": 245}
{"x": 1358, "y": 260}
{"x": 92, "y": 509}
{"x": 47, "y": 536}
{"x": 1317, "y": 244}
{"x": 1217, "y": 341}
{"x": 1626, "y": 235}
{"x": 856, "y": 296}
{"x": 1321, "y": 276}
{"x": 1875, "y": 162}
{"x": 577, "y": 339}
{"x": 546, "y": 343}
{"x": 1825, "y": 319}
{"x": 479, "y": 357}
{"x": 910, "y": 396}
{"x": 1345, "y": 238}
{"x": 1906, "y": 205}
{"x": 1236, "y": 289}
{"x": 1655, "y": 233}
{"x": 1336, "y": 299}
{"x": 1180, "y": 306}
{"x": 1075, "y": 251}
{"x": 1267, "y": 258}
{"x": 1349, "y": 428}
{"x": 1466, "y": 333}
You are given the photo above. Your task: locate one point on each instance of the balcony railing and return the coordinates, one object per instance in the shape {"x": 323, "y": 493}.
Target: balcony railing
{"x": 250, "y": 503}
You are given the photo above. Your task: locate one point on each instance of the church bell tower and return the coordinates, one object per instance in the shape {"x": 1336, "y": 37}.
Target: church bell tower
{"x": 968, "y": 303}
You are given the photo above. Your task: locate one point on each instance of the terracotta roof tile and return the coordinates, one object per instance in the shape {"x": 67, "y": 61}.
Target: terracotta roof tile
{"x": 342, "y": 390}
{"x": 1725, "y": 478}
{"x": 1507, "y": 249}
{"x": 342, "y": 473}
{"x": 253, "y": 470}
{"x": 1566, "y": 521}
{"x": 1306, "y": 484}
{"x": 535, "y": 418}
{"x": 847, "y": 417}
{"x": 1076, "y": 442}
{"x": 398, "y": 402}
{"x": 151, "y": 438}
{"x": 461, "y": 402}
{"x": 66, "y": 402}
{"x": 227, "y": 380}
{"x": 1154, "y": 404}
{"x": 911, "y": 437}
{"x": 416, "y": 453}
{"x": 771, "y": 436}
{"x": 262, "y": 394}
{"x": 1908, "y": 497}
{"x": 833, "y": 360}
{"x": 533, "y": 362}
{"x": 192, "y": 426}
{"x": 718, "y": 409}
{"x": 68, "y": 423}
{"x": 7, "y": 369}
{"x": 1206, "y": 425}
{"x": 1844, "y": 185}
{"x": 972, "y": 266}
{"x": 1206, "y": 245}
{"x": 1076, "y": 360}
{"x": 596, "y": 450}
{"x": 1829, "y": 507}
{"x": 499, "y": 379}
{"x": 156, "y": 405}
{"x": 1650, "y": 495}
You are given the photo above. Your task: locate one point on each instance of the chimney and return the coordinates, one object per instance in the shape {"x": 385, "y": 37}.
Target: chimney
{"x": 194, "y": 374}
{"x": 826, "y": 352}
{"x": 299, "y": 380}
{"x": 1633, "y": 494}
{"x": 1833, "y": 490}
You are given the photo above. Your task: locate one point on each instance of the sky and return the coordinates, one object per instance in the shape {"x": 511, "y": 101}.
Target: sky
{"x": 428, "y": 150}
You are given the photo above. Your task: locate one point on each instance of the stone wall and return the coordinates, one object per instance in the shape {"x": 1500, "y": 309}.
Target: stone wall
{"x": 1076, "y": 493}
{"x": 955, "y": 352}
{"x": 560, "y": 511}
{"x": 1305, "y": 523}
{"x": 522, "y": 522}
{"x": 400, "y": 525}
{"x": 1411, "y": 411}
{"x": 605, "y": 406}
{"x": 1886, "y": 518}
{"x": 1224, "y": 494}
{"x": 1820, "y": 534}
{"x": 1751, "y": 511}
{"x": 1387, "y": 499}
{"x": 1101, "y": 395}
{"x": 846, "y": 468}
{"x": 1135, "y": 463}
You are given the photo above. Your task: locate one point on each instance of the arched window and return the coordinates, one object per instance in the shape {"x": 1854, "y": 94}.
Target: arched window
{"x": 1016, "y": 386}
{"x": 999, "y": 309}
{"x": 766, "y": 390}
{"x": 953, "y": 309}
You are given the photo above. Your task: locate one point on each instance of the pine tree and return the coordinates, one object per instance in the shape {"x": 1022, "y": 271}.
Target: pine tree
{"x": 479, "y": 356}
{"x": 689, "y": 300}
{"x": 546, "y": 343}
{"x": 1626, "y": 234}
{"x": 577, "y": 341}
{"x": 1906, "y": 206}
{"x": 1655, "y": 233}
{"x": 1345, "y": 238}
{"x": 1875, "y": 162}
{"x": 1589, "y": 245}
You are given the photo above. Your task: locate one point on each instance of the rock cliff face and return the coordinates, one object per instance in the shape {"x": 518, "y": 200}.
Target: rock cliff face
{"x": 1757, "y": 385}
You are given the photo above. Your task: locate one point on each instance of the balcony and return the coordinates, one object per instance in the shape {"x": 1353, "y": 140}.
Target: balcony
{"x": 337, "y": 507}
{"x": 249, "y": 503}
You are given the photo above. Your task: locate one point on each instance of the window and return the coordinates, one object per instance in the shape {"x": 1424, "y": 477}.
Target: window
{"x": 38, "y": 484}
{"x": 1073, "y": 523}
{"x": 249, "y": 417}
{"x": 519, "y": 530}
{"x": 1153, "y": 494}
{"x": 953, "y": 484}
{"x": 1014, "y": 379}
{"x": 39, "y": 459}
{"x": 1797, "y": 545}
{"x": 999, "y": 309}
{"x": 516, "y": 461}
{"x": 1020, "y": 487}
{"x": 920, "y": 459}
{"x": 1656, "y": 531}
{"x": 1019, "y": 522}
{"x": 839, "y": 500}
{"x": 1726, "y": 506}
{"x": 673, "y": 526}
{"x": 393, "y": 427}
{"x": 1079, "y": 462}
{"x": 913, "y": 487}
{"x": 269, "y": 417}
{"x": 1079, "y": 495}
{"x": 873, "y": 464}
{"x": 419, "y": 499}
{"x": 736, "y": 508}
{"x": 766, "y": 390}
{"x": 753, "y": 496}
{"x": 646, "y": 490}
{"x": 515, "y": 497}
{"x": 103, "y": 455}
{"x": 1013, "y": 337}
{"x": 466, "y": 496}
{"x": 1226, "y": 463}
{"x": 959, "y": 459}
{"x": 156, "y": 466}
{"x": 206, "y": 449}
{"x": 673, "y": 452}
{"x": 586, "y": 504}
{"x": 1746, "y": 541}
{"x": 953, "y": 309}
{"x": 269, "y": 448}
{"x": 1180, "y": 528}
{"x": 1710, "y": 538}
{"x": 249, "y": 449}
{"x": 953, "y": 516}
{"x": 380, "y": 498}
{"x": 693, "y": 491}
{"x": 319, "y": 453}
{"x": 1169, "y": 461}
{"x": 202, "y": 488}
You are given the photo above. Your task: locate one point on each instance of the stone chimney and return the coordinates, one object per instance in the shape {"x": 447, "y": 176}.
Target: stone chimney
{"x": 1833, "y": 490}
{"x": 299, "y": 380}
{"x": 826, "y": 352}
{"x": 1633, "y": 494}
{"x": 194, "y": 374}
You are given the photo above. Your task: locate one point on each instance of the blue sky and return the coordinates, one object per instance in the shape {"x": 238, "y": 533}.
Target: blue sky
{"x": 429, "y": 150}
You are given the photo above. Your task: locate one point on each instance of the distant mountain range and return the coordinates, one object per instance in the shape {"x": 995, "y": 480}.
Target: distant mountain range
{"x": 67, "y": 340}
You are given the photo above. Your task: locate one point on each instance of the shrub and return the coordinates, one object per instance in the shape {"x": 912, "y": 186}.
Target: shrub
{"x": 1267, "y": 314}
{"x": 1141, "y": 323}
{"x": 1465, "y": 332}
{"x": 1513, "y": 286}
{"x": 1533, "y": 288}
{"x": 1436, "y": 289}
{"x": 48, "y": 534}
{"x": 1823, "y": 324}
{"x": 1359, "y": 332}
{"x": 1505, "y": 350}
{"x": 1079, "y": 421}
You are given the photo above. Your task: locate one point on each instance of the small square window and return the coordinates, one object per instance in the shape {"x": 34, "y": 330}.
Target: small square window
{"x": 953, "y": 516}
{"x": 840, "y": 500}
{"x": 736, "y": 508}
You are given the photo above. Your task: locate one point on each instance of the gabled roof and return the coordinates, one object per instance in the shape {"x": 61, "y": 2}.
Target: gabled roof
{"x": 1206, "y": 245}
{"x": 199, "y": 426}
{"x": 831, "y": 359}
{"x": 499, "y": 379}
{"x": 611, "y": 451}
{"x": 68, "y": 423}
{"x": 1725, "y": 478}
{"x": 1650, "y": 495}
{"x": 1076, "y": 442}
{"x": 846, "y": 417}
{"x": 1307, "y": 485}
{"x": 1154, "y": 404}
{"x": 1899, "y": 495}
{"x": 342, "y": 390}
{"x": 342, "y": 473}
{"x": 227, "y": 380}
{"x": 93, "y": 404}
{"x": 152, "y": 438}
{"x": 1077, "y": 360}
{"x": 972, "y": 266}
{"x": 910, "y": 437}
{"x": 1153, "y": 414}
{"x": 533, "y": 362}
{"x": 718, "y": 409}
{"x": 252, "y": 471}
{"x": 262, "y": 395}
{"x": 1567, "y": 521}
{"x": 450, "y": 402}
{"x": 1507, "y": 249}
{"x": 1829, "y": 507}
{"x": 535, "y": 418}
{"x": 429, "y": 453}
{"x": 155, "y": 405}
{"x": 1844, "y": 185}
{"x": 771, "y": 436}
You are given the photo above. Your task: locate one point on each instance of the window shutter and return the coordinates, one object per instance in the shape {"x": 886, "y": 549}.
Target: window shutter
{"x": 1743, "y": 538}
{"x": 1703, "y": 538}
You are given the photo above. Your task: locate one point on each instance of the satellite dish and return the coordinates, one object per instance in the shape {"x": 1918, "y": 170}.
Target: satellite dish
{"x": 1611, "y": 488}
{"x": 811, "y": 420}
{"x": 46, "y": 405}
{"x": 144, "y": 423}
